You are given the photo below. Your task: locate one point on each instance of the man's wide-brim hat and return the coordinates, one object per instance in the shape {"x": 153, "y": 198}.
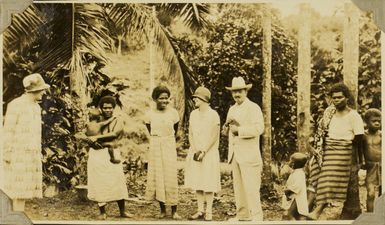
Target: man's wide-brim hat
{"x": 203, "y": 94}
{"x": 239, "y": 83}
{"x": 34, "y": 82}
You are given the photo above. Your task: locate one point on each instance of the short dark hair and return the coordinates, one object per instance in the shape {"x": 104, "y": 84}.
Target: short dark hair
{"x": 107, "y": 99}
{"x": 299, "y": 160}
{"x": 160, "y": 90}
{"x": 340, "y": 87}
{"x": 372, "y": 112}
{"x": 94, "y": 114}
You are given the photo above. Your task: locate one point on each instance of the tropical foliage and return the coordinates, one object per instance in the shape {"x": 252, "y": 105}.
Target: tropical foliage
{"x": 69, "y": 49}
{"x": 71, "y": 43}
{"x": 234, "y": 48}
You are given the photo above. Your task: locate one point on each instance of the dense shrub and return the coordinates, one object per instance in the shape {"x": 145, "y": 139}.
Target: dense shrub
{"x": 235, "y": 49}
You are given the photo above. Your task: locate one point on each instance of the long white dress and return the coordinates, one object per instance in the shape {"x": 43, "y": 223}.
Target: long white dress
{"x": 22, "y": 149}
{"x": 205, "y": 175}
{"x": 162, "y": 179}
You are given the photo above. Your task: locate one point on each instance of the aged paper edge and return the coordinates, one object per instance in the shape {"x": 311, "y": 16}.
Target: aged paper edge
{"x": 7, "y": 7}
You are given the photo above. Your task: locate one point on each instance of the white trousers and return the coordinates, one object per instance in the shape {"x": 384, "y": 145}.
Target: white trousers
{"x": 247, "y": 182}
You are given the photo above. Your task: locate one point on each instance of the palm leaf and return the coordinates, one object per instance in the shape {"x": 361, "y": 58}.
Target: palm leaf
{"x": 194, "y": 15}
{"x": 58, "y": 50}
{"x": 131, "y": 19}
{"x": 23, "y": 24}
{"x": 90, "y": 34}
{"x": 190, "y": 79}
{"x": 140, "y": 21}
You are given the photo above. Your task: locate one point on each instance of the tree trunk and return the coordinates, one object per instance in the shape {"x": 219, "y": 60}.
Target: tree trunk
{"x": 266, "y": 93}
{"x": 152, "y": 56}
{"x": 78, "y": 81}
{"x": 303, "y": 80}
{"x": 351, "y": 48}
{"x": 352, "y": 207}
{"x": 119, "y": 50}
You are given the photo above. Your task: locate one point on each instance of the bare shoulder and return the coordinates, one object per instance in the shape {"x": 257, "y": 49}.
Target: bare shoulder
{"x": 118, "y": 120}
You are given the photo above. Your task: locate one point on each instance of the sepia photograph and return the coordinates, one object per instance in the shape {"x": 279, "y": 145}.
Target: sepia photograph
{"x": 191, "y": 112}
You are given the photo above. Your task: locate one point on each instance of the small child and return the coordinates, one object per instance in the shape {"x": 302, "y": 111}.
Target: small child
{"x": 372, "y": 154}
{"x": 294, "y": 201}
{"x": 94, "y": 127}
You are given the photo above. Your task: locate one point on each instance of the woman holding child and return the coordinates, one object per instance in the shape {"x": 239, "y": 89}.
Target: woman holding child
{"x": 202, "y": 163}
{"x": 106, "y": 180}
{"x": 340, "y": 133}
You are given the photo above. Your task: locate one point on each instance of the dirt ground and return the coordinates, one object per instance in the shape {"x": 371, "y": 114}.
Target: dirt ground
{"x": 68, "y": 206}
{"x": 134, "y": 69}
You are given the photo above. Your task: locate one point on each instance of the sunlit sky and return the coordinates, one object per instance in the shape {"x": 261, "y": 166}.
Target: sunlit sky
{"x": 324, "y": 7}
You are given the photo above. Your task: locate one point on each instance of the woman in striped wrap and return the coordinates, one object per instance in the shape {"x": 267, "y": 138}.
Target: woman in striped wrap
{"x": 340, "y": 131}
{"x": 162, "y": 181}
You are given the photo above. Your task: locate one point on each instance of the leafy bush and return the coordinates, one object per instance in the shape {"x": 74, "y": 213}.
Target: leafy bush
{"x": 235, "y": 49}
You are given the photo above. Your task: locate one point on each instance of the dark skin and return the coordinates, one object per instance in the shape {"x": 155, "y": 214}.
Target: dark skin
{"x": 106, "y": 138}
{"x": 372, "y": 153}
{"x": 340, "y": 102}
{"x": 293, "y": 213}
{"x": 161, "y": 104}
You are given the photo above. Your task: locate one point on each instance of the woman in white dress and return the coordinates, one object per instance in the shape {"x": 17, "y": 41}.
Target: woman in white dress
{"x": 202, "y": 166}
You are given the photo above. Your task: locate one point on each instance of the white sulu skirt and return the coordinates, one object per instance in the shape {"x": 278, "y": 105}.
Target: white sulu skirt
{"x": 106, "y": 181}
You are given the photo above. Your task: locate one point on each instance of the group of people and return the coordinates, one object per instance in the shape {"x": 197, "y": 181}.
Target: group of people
{"x": 340, "y": 139}
{"x": 340, "y": 143}
{"x": 244, "y": 125}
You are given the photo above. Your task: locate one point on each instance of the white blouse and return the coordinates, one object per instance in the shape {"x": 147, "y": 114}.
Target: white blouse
{"x": 347, "y": 126}
{"x": 162, "y": 122}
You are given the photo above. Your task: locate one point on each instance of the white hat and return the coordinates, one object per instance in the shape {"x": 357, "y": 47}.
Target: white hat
{"x": 238, "y": 83}
{"x": 34, "y": 82}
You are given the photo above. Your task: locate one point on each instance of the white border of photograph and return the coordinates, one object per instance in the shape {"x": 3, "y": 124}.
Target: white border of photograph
{"x": 8, "y": 217}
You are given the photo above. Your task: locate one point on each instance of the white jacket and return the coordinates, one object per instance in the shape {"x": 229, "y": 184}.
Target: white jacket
{"x": 244, "y": 147}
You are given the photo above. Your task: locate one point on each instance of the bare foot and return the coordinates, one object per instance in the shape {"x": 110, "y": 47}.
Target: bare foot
{"x": 312, "y": 216}
{"x": 102, "y": 216}
{"x": 176, "y": 216}
{"x": 162, "y": 215}
{"x": 126, "y": 215}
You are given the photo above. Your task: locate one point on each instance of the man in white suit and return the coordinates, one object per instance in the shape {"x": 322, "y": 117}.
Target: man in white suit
{"x": 244, "y": 125}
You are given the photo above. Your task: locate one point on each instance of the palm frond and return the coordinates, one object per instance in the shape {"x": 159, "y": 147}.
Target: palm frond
{"x": 23, "y": 28}
{"x": 194, "y": 15}
{"x": 90, "y": 34}
{"x": 57, "y": 50}
{"x": 190, "y": 79}
{"x": 139, "y": 20}
{"x": 131, "y": 19}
